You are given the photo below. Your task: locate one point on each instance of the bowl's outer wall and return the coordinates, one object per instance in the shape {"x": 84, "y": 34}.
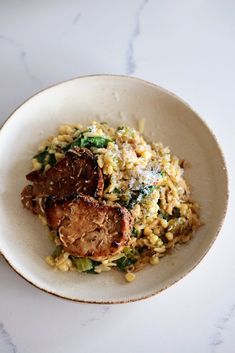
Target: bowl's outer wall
{"x": 119, "y": 101}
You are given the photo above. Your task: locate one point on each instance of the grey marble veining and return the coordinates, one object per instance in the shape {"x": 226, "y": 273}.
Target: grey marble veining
{"x": 6, "y": 344}
{"x": 104, "y": 310}
{"x": 76, "y": 18}
{"x": 23, "y": 60}
{"x": 11, "y": 41}
{"x": 130, "y": 58}
{"x": 218, "y": 340}
{"x": 22, "y": 57}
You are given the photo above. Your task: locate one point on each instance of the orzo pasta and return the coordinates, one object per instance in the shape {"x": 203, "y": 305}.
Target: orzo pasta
{"x": 141, "y": 177}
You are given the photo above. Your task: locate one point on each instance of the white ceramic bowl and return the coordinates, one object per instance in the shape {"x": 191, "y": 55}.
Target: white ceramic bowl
{"x": 119, "y": 100}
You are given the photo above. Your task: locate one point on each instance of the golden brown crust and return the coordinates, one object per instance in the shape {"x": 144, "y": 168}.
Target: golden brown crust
{"x": 77, "y": 172}
{"x": 89, "y": 228}
{"x": 28, "y": 199}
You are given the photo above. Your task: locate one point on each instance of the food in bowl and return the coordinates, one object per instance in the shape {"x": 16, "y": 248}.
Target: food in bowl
{"x": 110, "y": 199}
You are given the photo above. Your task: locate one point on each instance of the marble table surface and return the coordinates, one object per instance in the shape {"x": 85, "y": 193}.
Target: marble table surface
{"x": 186, "y": 46}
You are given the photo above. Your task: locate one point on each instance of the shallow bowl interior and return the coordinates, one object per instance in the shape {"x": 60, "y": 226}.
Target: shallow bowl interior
{"x": 119, "y": 101}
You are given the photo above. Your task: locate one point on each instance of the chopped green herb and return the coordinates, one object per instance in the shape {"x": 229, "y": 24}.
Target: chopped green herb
{"x": 52, "y": 160}
{"x": 124, "y": 262}
{"x": 76, "y": 142}
{"x": 57, "y": 252}
{"x": 94, "y": 264}
{"x": 98, "y": 142}
{"x": 138, "y": 195}
{"x": 83, "y": 264}
{"x": 46, "y": 157}
{"x": 135, "y": 232}
{"x": 116, "y": 191}
{"x": 65, "y": 148}
{"x": 119, "y": 128}
{"x": 41, "y": 157}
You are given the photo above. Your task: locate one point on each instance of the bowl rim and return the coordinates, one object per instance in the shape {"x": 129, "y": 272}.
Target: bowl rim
{"x": 191, "y": 268}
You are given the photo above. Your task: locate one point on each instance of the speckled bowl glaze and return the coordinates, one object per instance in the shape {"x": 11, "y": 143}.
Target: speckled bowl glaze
{"x": 119, "y": 100}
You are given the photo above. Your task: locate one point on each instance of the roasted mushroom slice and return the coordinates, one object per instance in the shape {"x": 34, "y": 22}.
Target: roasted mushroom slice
{"x": 90, "y": 228}
{"x": 77, "y": 172}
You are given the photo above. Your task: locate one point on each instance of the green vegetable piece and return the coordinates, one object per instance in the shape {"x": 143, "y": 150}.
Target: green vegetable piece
{"x": 57, "y": 252}
{"x": 165, "y": 215}
{"x": 145, "y": 191}
{"x": 46, "y": 157}
{"x": 66, "y": 148}
{"x": 124, "y": 262}
{"x": 135, "y": 232}
{"x": 41, "y": 157}
{"x": 140, "y": 194}
{"x": 76, "y": 143}
{"x": 83, "y": 264}
{"x": 98, "y": 142}
{"x": 116, "y": 191}
{"x": 52, "y": 160}
{"x": 94, "y": 264}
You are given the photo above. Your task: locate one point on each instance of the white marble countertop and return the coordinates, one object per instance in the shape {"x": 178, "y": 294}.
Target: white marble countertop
{"x": 186, "y": 46}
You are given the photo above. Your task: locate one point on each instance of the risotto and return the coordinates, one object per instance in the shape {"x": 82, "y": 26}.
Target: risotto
{"x": 143, "y": 178}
